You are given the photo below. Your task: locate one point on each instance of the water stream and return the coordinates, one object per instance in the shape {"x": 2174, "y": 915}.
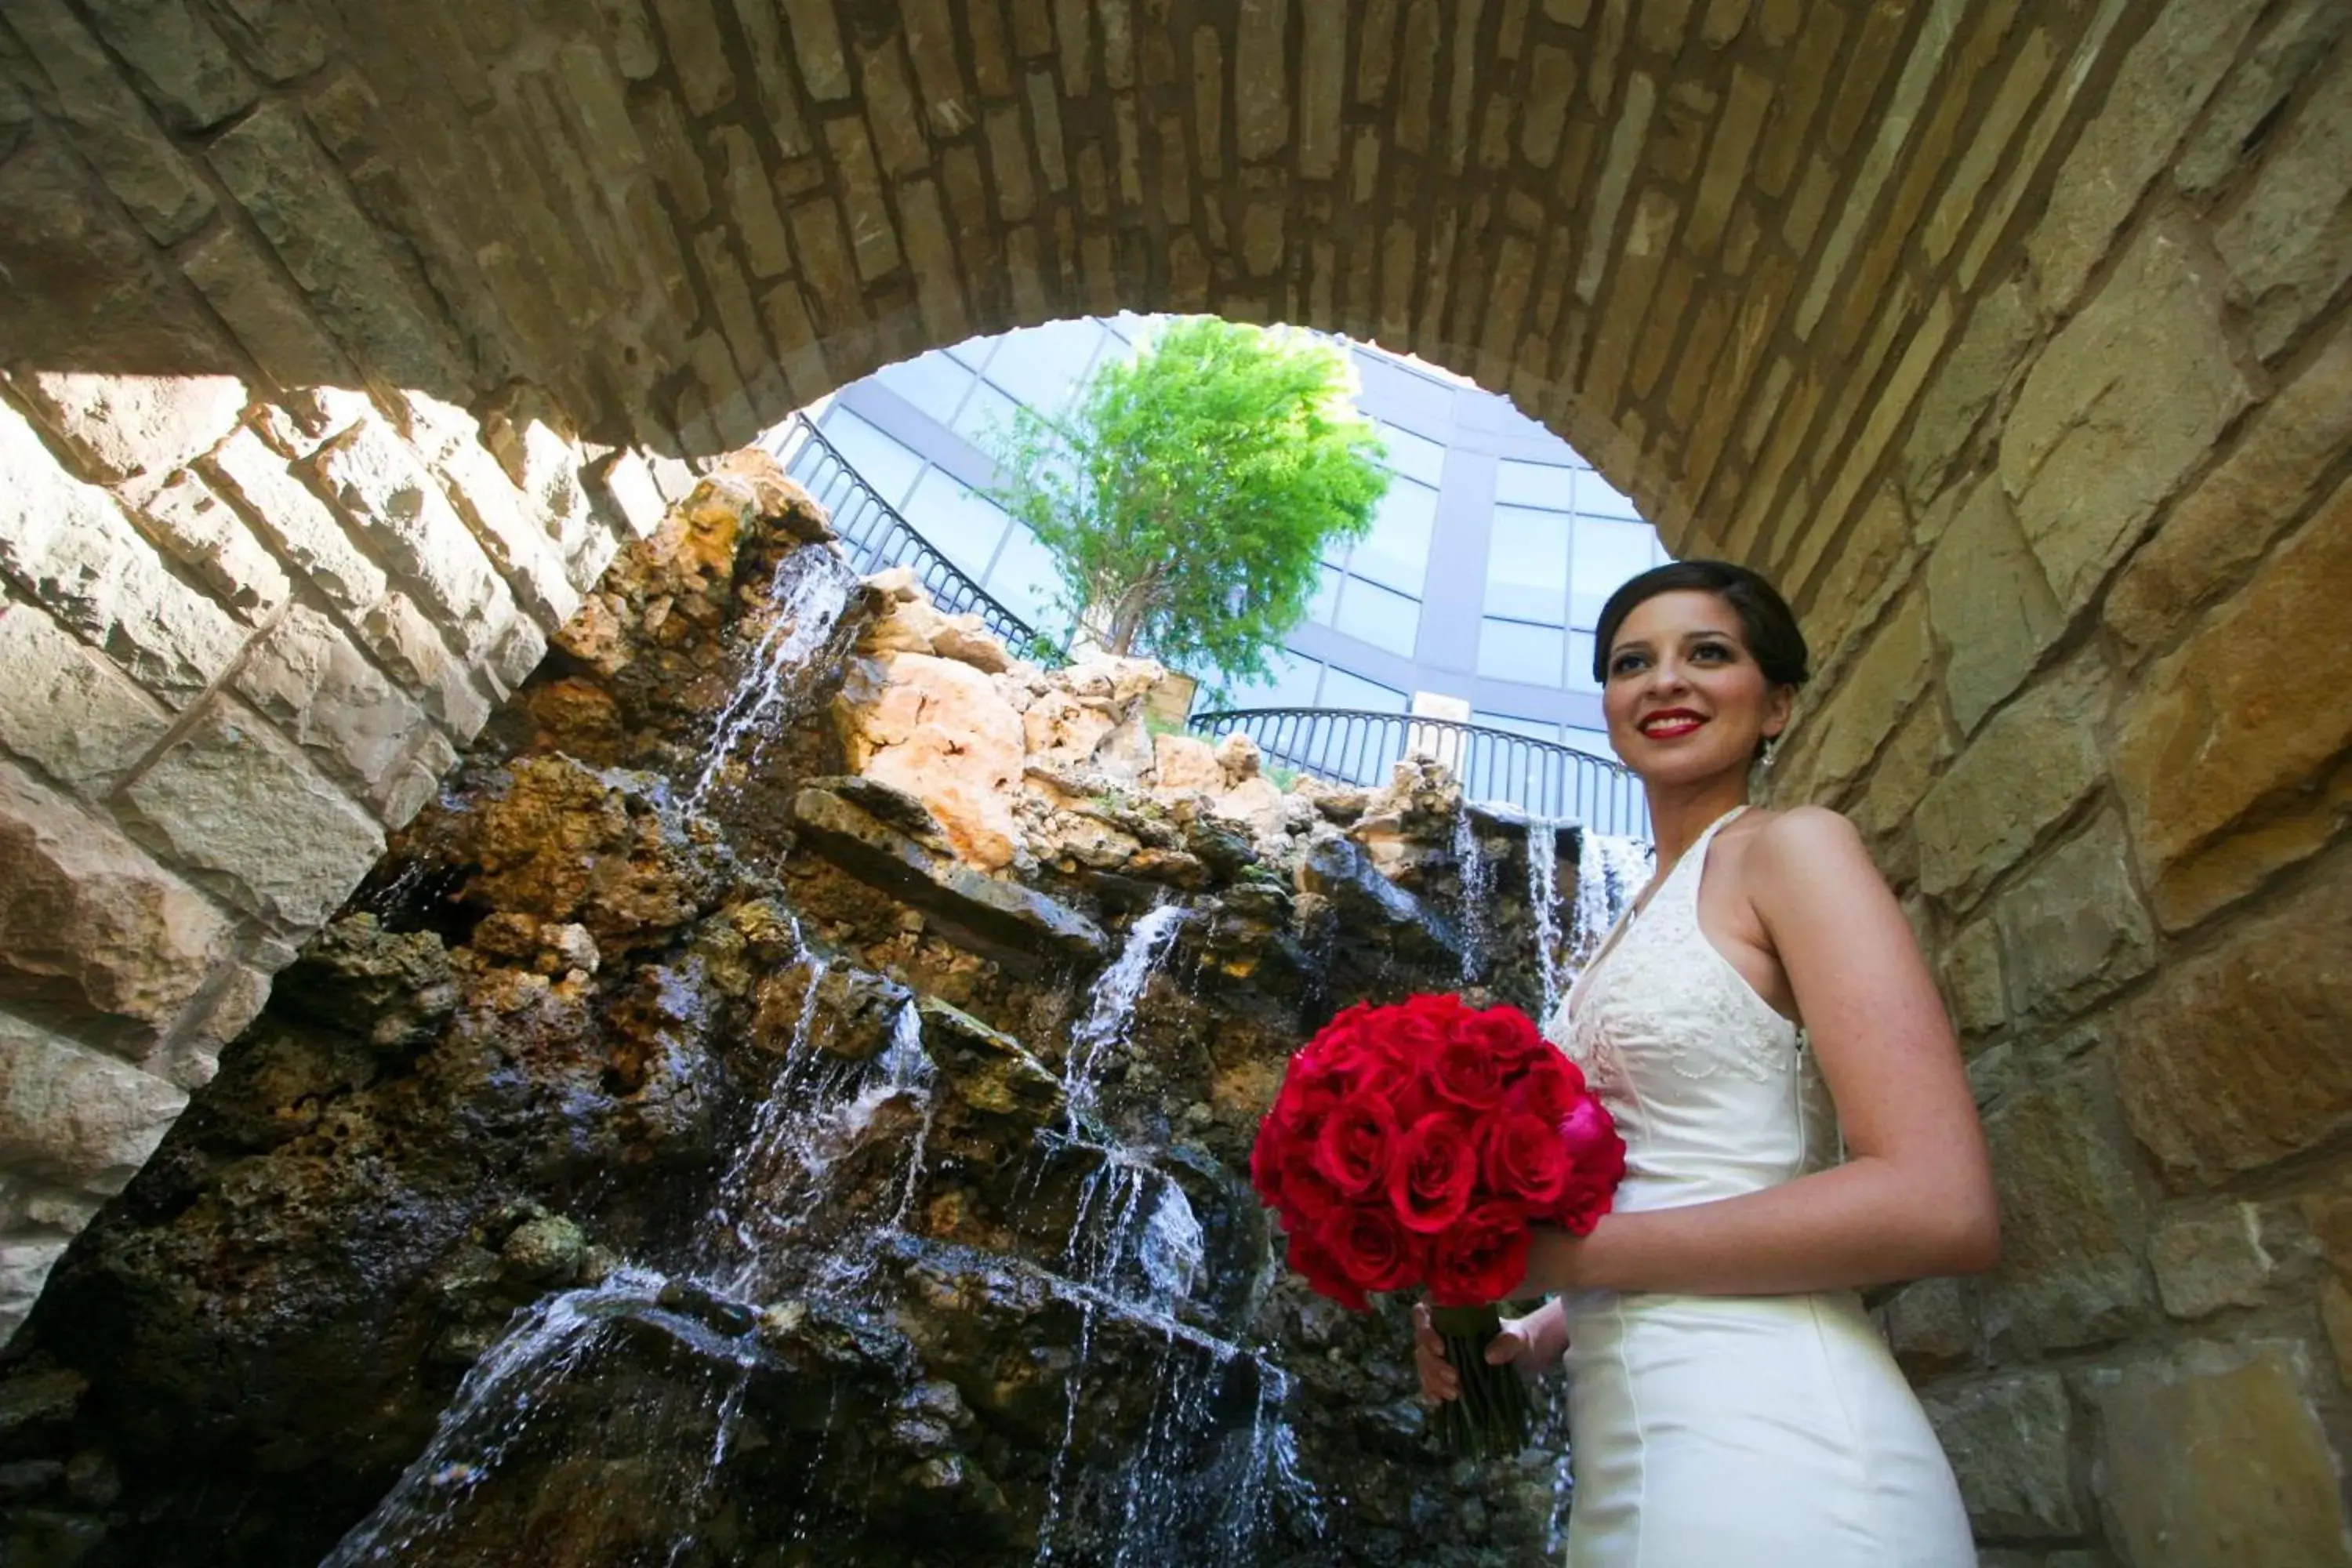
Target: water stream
{"x": 1477, "y": 875}
{"x": 812, "y": 589}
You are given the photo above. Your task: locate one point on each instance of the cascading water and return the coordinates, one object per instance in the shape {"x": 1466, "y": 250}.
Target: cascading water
{"x": 811, "y": 590}
{"x": 1110, "y": 1011}
{"x": 1477, "y": 875}
{"x": 1543, "y": 904}
{"x": 1609, "y": 870}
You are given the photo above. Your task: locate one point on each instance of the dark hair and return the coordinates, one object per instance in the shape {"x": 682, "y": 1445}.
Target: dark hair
{"x": 1765, "y": 623}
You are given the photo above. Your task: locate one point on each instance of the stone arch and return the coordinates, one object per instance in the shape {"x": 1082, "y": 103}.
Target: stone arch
{"x": 344, "y": 342}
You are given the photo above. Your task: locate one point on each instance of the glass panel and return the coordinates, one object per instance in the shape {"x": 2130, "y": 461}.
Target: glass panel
{"x": 1606, "y": 554}
{"x": 1023, "y": 579}
{"x": 1513, "y": 650}
{"x": 1595, "y": 498}
{"x": 1385, "y": 620}
{"x": 1324, "y": 603}
{"x": 1416, "y": 457}
{"x": 1396, "y": 551}
{"x": 1290, "y": 682}
{"x": 933, "y": 382}
{"x": 1527, "y": 564}
{"x": 1579, "y": 662}
{"x": 963, "y": 526}
{"x": 1341, "y": 690}
{"x": 1537, "y": 729}
{"x": 1593, "y": 742}
{"x": 974, "y": 351}
{"x": 1535, "y": 484}
{"x": 1042, "y": 366}
{"x": 887, "y": 467}
{"x": 987, "y": 419}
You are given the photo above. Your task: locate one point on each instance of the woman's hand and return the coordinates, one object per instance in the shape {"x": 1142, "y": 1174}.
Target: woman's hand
{"x": 1533, "y": 1345}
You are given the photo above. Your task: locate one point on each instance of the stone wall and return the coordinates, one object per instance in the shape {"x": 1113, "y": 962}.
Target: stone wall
{"x": 242, "y": 633}
{"x": 2079, "y": 692}
{"x": 2009, "y": 337}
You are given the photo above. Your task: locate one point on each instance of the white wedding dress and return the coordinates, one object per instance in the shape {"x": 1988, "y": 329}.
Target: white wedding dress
{"x": 1707, "y": 1431}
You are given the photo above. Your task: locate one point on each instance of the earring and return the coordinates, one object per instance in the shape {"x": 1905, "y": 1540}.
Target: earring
{"x": 1771, "y": 749}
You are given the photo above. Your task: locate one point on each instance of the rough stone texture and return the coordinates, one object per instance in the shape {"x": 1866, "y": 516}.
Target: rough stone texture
{"x": 1991, "y": 606}
{"x": 2073, "y": 1220}
{"x": 70, "y": 1114}
{"x": 67, "y": 709}
{"x": 2219, "y": 1460}
{"x": 1185, "y": 763}
{"x": 2232, "y": 1060}
{"x": 2011, "y": 1442}
{"x": 2074, "y": 927}
{"x": 124, "y": 427}
{"x": 2205, "y": 1264}
{"x": 937, "y": 729}
{"x": 91, "y": 924}
{"x": 2094, "y": 445}
{"x": 246, "y": 814}
{"x": 2024, "y": 770}
{"x": 2212, "y": 735}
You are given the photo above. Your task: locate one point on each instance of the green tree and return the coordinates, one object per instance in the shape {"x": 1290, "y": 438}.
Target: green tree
{"x": 1188, "y": 491}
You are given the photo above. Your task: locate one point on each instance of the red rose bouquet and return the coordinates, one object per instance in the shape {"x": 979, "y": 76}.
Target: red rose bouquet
{"x": 1413, "y": 1145}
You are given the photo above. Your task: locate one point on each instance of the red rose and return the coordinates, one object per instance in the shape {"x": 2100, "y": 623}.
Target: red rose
{"x": 1465, "y": 1073}
{"x": 1436, "y": 1165}
{"x": 1504, "y": 1034}
{"x": 1266, "y": 1161}
{"x": 1549, "y": 1088}
{"x": 1591, "y": 1140}
{"x": 1307, "y": 1194}
{"x": 1323, "y": 1273}
{"x": 1482, "y": 1258}
{"x": 1523, "y": 1159}
{"x": 1581, "y": 1204}
{"x": 1356, "y": 1144}
{"x": 1370, "y": 1248}
{"x": 1306, "y": 1098}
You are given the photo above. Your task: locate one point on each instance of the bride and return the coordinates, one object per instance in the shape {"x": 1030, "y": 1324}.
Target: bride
{"x": 1798, "y": 1126}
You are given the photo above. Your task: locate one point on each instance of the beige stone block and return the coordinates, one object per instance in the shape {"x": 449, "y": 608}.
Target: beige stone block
{"x": 1930, "y": 1326}
{"x": 2095, "y": 443}
{"x": 121, "y": 427}
{"x": 2295, "y": 41}
{"x": 1988, "y": 144}
{"x": 297, "y": 198}
{"x": 2073, "y": 1220}
{"x": 2166, "y": 79}
{"x": 2234, "y": 1058}
{"x": 2223, "y": 526}
{"x": 330, "y": 700}
{"x": 109, "y": 126}
{"x": 2219, "y": 1457}
{"x": 1625, "y": 141}
{"x": 2207, "y": 1262}
{"x": 2011, "y": 1442}
{"x": 696, "y": 52}
{"x": 2286, "y": 245}
{"x": 2211, "y": 733}
{"x": 521, "y": 540}
{"x": 24, "y": 1265}
{"x": 383, "y": 491}
{"x": 69, "y": 1114}
{"x": 297, "y": 522}
{"x": 2074, "y": 927}
{"x": 2001, "y": 328}
{"x": 1870, "y": 699}
{"x": 180, "y": 64}
{"x": 939, "y": 730}
{"x": 1972, "y": 978}
{"x": 90, "y": 922}
{"x": 2024, "y": 770}
{"x": 67, "y": 709}
{"x": 201, "y": 532}
{"x": 1186, "y": 763}
{"x": 1908, "y": 764}
{"x": 242, "y": 810}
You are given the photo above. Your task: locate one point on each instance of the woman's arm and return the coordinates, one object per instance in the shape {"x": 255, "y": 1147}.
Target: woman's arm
{"x": 1915, "y": 1196}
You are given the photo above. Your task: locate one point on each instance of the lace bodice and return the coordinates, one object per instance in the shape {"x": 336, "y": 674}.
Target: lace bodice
{"x": 1712, "y": 1091}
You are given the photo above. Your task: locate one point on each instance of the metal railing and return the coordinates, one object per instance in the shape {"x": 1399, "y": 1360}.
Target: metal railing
{"x": 1542, "y": 778}
{"x": 878, "y": 537}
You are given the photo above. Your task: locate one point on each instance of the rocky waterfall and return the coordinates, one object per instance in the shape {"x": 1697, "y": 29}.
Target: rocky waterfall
{"x": 788, "y": 1102}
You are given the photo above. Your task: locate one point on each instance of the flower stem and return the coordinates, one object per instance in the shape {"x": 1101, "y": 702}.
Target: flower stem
{"x": 1489, "y": 1418}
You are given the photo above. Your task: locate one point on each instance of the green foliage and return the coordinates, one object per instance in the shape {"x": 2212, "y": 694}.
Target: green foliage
{"x": 1189, "y": 491}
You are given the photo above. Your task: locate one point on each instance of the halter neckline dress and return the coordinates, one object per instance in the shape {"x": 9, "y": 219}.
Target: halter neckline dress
{"x": 1714, "y": 1430}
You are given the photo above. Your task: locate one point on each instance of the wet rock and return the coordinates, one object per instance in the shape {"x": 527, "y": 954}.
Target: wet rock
{"x": 544, "y": 1249}
{"x": 393, "y": 990}
{"x": 850, "y": 1017}
{"x": 1002, "y": 918}
{"x": 1367, "y": 903}
{"x": 989, "y": 1072}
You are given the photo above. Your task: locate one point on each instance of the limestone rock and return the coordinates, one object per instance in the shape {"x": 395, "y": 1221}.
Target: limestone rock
{"x": 1061, "y": 729}
{"x": 2209, "y": 1262}
{"x": 2073, "y": 1222}
{"x": 1239, "y": 755}
{"x": 1185, "y": 763}
{"x": 394, "y": 991}
{"x": 2220, "y": 1459}
{"x": 936, "y": 728}
{"x": 1014, "y": 924}
{"x": 909, "y": 625}
{"x": 1254, "y": 804}
{"x": 774, "y": 496}
{"x": 2010, "y": 1444}
{"x": 991, "y": 1072}
{"x": 69, "y": 1114}
{"x": 967, "y": 639}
